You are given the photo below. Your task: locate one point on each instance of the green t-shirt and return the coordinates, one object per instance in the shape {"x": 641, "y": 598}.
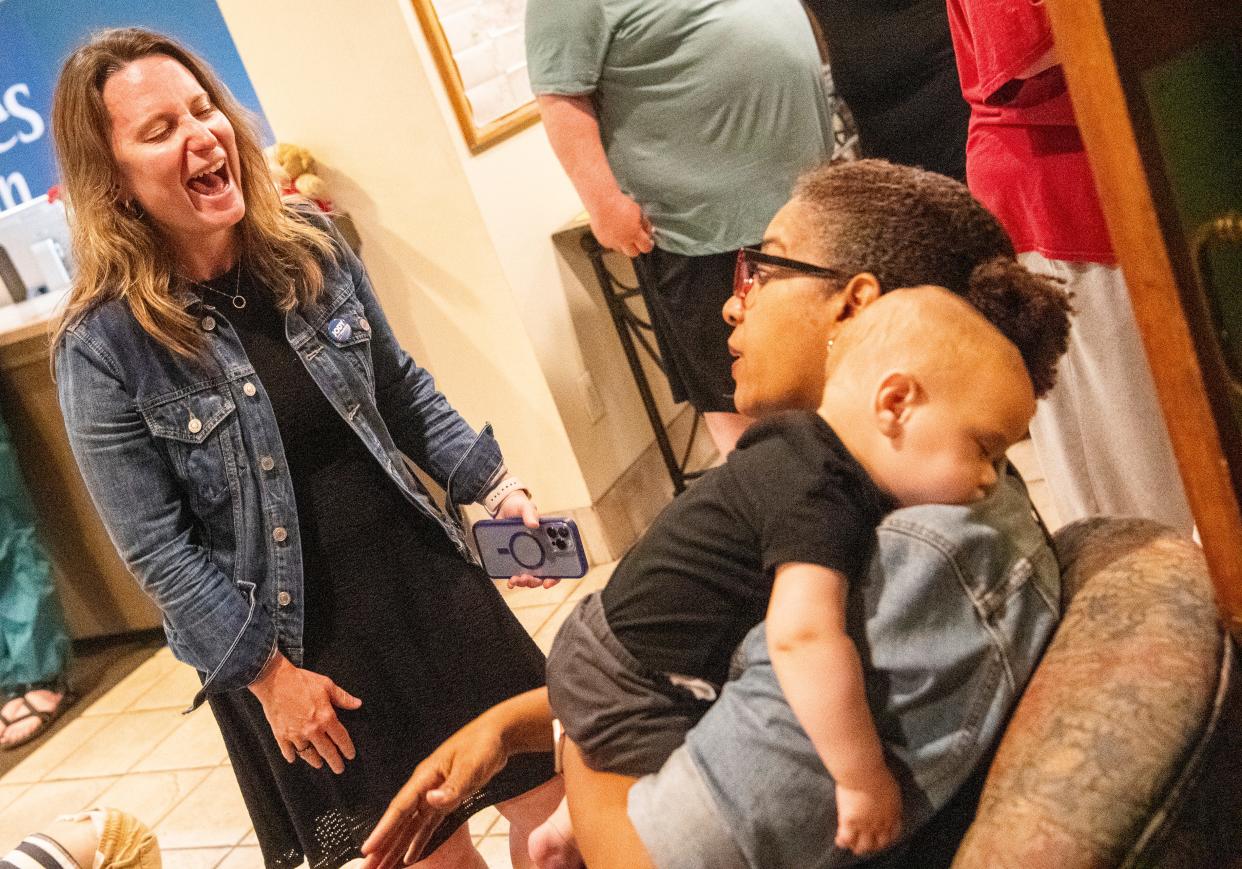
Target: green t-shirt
{"x": 708, "y": 109}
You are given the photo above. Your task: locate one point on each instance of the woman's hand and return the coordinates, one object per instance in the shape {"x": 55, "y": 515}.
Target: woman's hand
{"x": 301, "y": 708}
{"x": 518, "y": 505}
{"x": 462, "y": 765}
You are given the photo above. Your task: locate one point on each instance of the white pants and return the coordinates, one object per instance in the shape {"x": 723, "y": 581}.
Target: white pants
{"x": 1100, "y": 434}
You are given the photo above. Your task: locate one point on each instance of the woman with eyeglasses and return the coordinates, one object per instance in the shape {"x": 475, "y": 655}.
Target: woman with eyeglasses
{"x": 241, "y": 412}
{"x": 850, "y": 232}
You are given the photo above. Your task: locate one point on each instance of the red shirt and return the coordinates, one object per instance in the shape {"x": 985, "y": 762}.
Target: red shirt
{"x": 1024, "y": 158}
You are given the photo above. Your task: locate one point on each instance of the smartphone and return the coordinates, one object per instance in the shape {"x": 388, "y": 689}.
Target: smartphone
{"x": 554, "y": 551}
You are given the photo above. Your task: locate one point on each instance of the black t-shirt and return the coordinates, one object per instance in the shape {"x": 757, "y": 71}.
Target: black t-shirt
{"x": 700, "y": 578}
{"x": 893, "y": 64}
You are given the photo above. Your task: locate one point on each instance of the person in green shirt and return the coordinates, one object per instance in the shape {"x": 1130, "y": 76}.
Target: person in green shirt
{"x": 682, "y": 125}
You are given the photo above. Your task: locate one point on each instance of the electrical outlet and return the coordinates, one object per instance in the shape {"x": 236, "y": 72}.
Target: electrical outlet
{"x": 590, "y": 396}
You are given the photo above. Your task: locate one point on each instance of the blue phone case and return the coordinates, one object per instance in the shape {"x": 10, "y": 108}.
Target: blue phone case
{"x": 554, "y": 551}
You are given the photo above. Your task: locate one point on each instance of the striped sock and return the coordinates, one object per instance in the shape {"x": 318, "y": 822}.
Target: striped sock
{"x": 38, "y": 852}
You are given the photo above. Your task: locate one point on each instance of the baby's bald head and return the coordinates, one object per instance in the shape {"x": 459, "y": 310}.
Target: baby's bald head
{"x": 928, "y": 331}
{"x": 919, "y": 376}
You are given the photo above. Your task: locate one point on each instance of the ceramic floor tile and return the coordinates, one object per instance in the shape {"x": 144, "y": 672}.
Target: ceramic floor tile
{"x": 152, "y": 795}
{"x": 213, "y": 815}
{"x": 596, "y": 579}
{"x": 495, "y": 851}
{"x": 242, "y": 857}
{"x": 533, "y": 617}
{"x": 547, "y": 633}
{"x": 175, "y": 690}
{"x": 195, "y": 743}
{"x": 517, "y": 598}
{"x": 500, "y": 828}
{"x": 45, "y": 801}
{"x": 69, "y": 739}
{"x": 8, "y": 793}
{"x": 120, "y": 696}
{"x": 251, "y": 838}
{"x": 481, "y": 823}
{"x": 121, "y": 743}
{"x": 194, "y": 858}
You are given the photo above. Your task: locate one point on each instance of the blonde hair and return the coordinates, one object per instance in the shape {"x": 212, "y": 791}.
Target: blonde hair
{"x": 120, "y": 253}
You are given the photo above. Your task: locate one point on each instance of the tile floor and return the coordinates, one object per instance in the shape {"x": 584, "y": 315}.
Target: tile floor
{"x": 133, "y": 749}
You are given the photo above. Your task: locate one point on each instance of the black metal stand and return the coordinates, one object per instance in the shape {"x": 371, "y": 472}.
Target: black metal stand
{"x": 635, "y": 332}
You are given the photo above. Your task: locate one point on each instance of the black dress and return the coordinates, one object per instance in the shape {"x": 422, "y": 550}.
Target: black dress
{"x": 394, "y": 615}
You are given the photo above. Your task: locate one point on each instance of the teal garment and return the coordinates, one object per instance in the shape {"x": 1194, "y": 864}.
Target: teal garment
{"x": 708, "y": 109}
{"x": 34, "y": 646}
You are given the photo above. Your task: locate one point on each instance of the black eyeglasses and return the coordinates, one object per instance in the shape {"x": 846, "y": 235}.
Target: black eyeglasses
{"x": 746, "y": 272}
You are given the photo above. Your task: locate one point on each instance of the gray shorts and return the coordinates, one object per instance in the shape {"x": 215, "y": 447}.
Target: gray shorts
{"x": 622, "y": 715}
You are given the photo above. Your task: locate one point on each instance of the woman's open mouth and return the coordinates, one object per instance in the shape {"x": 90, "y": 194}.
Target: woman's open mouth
{"x": 212, "y": 182}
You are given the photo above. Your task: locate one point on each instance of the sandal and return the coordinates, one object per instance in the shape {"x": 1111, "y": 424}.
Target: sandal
{"x": 46, "y": 716}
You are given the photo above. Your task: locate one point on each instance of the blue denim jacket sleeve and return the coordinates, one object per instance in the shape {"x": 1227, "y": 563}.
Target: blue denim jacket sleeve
{"x": 218, "y": 627}
{"x": 423, "y": 424}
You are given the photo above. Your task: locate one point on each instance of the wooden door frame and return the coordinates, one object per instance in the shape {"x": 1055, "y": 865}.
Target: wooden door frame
{"x": 1187, "y": 367}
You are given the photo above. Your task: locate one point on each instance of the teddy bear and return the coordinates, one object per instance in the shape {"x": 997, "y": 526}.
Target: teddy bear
{"x": 292, "y": 169}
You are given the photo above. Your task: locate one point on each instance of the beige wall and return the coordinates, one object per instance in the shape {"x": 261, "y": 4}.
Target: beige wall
{"x": 524, "y": 197}
{"x": 458, "y": 246}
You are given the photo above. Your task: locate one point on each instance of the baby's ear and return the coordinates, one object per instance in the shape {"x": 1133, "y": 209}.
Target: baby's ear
{"x": 895, "y": 399}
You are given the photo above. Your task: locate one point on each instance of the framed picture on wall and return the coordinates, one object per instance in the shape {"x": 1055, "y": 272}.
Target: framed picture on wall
{"x": 479, "y": 47}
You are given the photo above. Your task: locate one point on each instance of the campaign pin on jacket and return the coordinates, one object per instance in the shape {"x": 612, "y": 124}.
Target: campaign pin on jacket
{"x": 340, "y": 330}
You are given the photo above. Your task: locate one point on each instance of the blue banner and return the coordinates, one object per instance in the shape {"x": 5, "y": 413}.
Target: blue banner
{"x": 35, "y": 38}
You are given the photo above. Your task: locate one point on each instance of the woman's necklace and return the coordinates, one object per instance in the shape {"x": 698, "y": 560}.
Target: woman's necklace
{"x": 238, "y": 300}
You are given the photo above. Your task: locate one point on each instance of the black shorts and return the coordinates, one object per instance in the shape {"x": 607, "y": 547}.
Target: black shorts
{"x": 684, "y": 295}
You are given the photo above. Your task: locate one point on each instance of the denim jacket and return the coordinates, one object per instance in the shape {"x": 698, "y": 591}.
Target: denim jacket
{"x": 956, "y": 609}
{"x": 185, "y": 463}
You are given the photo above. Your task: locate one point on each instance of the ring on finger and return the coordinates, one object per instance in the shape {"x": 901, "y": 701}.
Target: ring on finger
{"x": 305, "y": 749}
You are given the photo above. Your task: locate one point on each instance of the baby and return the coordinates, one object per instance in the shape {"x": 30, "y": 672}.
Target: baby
{"x": 923, "y": 398}
{"x": 99, "y": 838}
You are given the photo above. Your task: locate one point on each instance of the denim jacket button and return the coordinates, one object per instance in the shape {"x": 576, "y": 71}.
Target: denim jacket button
{"x": 209, "y": 323}
{"x": 195, "y": 425}
{"x": 284, "y": 598}
{"x": 248, "y": 388}
{"x": 267, "y": 463}
{"x": 279, "y": 535}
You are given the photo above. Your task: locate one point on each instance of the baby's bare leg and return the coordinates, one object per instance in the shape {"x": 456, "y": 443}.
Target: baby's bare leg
{"x": 525, "y": 815}
{"x": 552, "y": 844}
